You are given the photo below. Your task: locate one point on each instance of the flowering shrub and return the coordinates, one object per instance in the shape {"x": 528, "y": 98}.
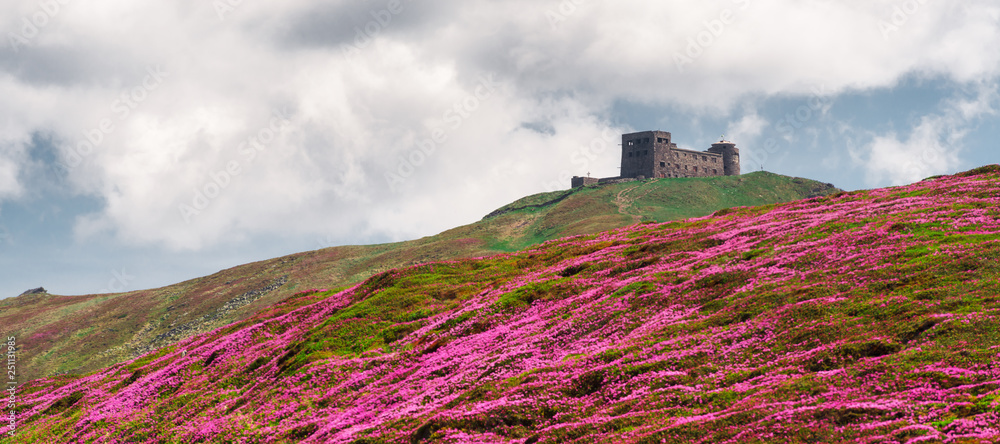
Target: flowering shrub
{"x": 865, "y": 317}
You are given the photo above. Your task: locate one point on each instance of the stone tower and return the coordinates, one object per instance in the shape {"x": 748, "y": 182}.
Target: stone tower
{"x": 642, "y": 153}
{"x": 730, "y": 156}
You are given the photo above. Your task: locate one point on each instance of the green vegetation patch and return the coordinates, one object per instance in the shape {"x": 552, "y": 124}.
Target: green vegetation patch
{"x": 525, "y": 295}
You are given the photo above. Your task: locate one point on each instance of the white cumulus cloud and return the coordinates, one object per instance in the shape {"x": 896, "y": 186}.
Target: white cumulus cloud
{"x": 932, "y": 146}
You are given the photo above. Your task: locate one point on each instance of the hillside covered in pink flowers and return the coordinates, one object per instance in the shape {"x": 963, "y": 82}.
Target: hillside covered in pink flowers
{"x": 868, "y": 317}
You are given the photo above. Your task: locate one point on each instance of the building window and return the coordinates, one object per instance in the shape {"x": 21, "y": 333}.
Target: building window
{"x": 629, "y": 154}
{"x": 685, "y": 167}
{"x": 714, "y": 171}
{"x": 645, "y": 153}
{"x": 663, "y": 164}
{"x": 714, "y": 160}
{"x": 704, "y": 158}
{"x": 696, "y": 169}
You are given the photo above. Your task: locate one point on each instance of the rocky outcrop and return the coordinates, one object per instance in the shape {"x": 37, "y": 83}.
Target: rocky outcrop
{"x": 142, "y": 344}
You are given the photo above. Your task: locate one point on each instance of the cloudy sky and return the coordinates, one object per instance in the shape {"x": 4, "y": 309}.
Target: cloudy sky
{"x": 145, "y": 143}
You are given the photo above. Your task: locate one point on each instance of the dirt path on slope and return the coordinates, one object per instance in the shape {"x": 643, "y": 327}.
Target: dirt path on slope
{"x": 624, "y": 201}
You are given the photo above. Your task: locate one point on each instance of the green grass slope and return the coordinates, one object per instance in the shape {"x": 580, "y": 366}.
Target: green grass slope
{"x": 78, "y": 334}
{"x": 548, "y": 216}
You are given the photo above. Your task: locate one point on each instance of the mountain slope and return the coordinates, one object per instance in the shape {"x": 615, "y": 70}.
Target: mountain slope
{"x": 78, "y": 334}
{"x": 858, "y": 317}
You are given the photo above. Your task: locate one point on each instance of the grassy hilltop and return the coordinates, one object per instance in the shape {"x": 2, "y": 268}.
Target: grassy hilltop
{"x": 867, "y": 317}
{"x": 78, "y": 334}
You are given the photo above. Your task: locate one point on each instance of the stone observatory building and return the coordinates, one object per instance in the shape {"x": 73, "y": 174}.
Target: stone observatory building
{"x": 652, "y": 154}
